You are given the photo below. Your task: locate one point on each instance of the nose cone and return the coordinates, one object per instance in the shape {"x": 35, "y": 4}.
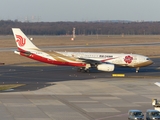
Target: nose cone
{"x": 143, "y": 64}
{"x": 149, "y": 62}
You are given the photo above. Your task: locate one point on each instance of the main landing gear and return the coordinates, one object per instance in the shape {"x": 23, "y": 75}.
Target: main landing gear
{"x": 83, "y": 70}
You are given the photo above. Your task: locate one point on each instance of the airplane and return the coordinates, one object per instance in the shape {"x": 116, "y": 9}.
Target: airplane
{"x": 85, "y": 61}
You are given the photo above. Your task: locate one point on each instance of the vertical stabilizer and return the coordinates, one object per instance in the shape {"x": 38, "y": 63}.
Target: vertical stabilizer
{"x": 23, "y": 43}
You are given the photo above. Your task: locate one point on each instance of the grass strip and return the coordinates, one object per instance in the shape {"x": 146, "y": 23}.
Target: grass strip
{"x": 10, "y": 86}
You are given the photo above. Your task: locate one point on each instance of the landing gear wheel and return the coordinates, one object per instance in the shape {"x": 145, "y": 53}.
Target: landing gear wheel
{"x": 87, "y": 70}
{"x": 137, "y": 70}
{"x": 83, "y": 70}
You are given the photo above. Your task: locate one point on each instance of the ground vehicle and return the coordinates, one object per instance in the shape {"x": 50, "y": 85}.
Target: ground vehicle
{"x": 135, "y": 115}
{"x": 152, "y": 115}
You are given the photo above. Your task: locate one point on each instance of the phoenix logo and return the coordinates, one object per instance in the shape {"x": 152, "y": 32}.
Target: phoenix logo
{"x": 128, "y": 59}
{"x": 20, "y": 40}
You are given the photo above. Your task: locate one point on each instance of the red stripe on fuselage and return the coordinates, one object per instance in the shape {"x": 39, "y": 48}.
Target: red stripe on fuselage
{"x": 49, "y": 61}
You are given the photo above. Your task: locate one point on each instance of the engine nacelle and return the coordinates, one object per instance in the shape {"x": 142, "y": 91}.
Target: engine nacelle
{"x": 106, "y": 67}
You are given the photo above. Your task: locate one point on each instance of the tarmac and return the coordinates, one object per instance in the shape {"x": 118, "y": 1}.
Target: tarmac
{"x": 62, "y": 93}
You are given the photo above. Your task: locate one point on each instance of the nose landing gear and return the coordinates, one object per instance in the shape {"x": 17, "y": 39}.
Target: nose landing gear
{"x": 137, "y": 69}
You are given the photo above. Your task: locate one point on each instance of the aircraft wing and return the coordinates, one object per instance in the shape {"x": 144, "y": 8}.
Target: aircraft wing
{"x": 90, "y": 61}
{"x": 157, "y": 83}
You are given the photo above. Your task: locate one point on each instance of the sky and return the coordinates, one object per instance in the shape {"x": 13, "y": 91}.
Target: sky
{"x": 79, "y": 10}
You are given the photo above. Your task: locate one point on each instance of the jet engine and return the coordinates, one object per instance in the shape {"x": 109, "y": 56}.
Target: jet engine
{"x": 106, "y": 67}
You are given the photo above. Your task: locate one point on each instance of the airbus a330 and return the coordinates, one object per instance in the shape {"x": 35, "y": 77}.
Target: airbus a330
{"x": 83, "y": 60}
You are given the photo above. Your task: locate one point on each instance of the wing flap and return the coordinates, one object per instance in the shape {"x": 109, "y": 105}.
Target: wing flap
{"x": 90, "y": 61}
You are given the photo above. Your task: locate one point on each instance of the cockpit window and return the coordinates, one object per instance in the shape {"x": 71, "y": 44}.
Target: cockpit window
{"x": 147, "y": 59}
{"x": 138, "y": 113}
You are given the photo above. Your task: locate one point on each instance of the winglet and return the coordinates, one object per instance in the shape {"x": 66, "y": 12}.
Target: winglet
{"x": 23, "y": 43}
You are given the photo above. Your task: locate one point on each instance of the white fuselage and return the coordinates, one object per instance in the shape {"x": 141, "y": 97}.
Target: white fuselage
{"x": 130, "y": 60}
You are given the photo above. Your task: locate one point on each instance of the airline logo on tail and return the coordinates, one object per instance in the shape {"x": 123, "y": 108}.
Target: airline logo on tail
{"x": 20, "y": 40}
